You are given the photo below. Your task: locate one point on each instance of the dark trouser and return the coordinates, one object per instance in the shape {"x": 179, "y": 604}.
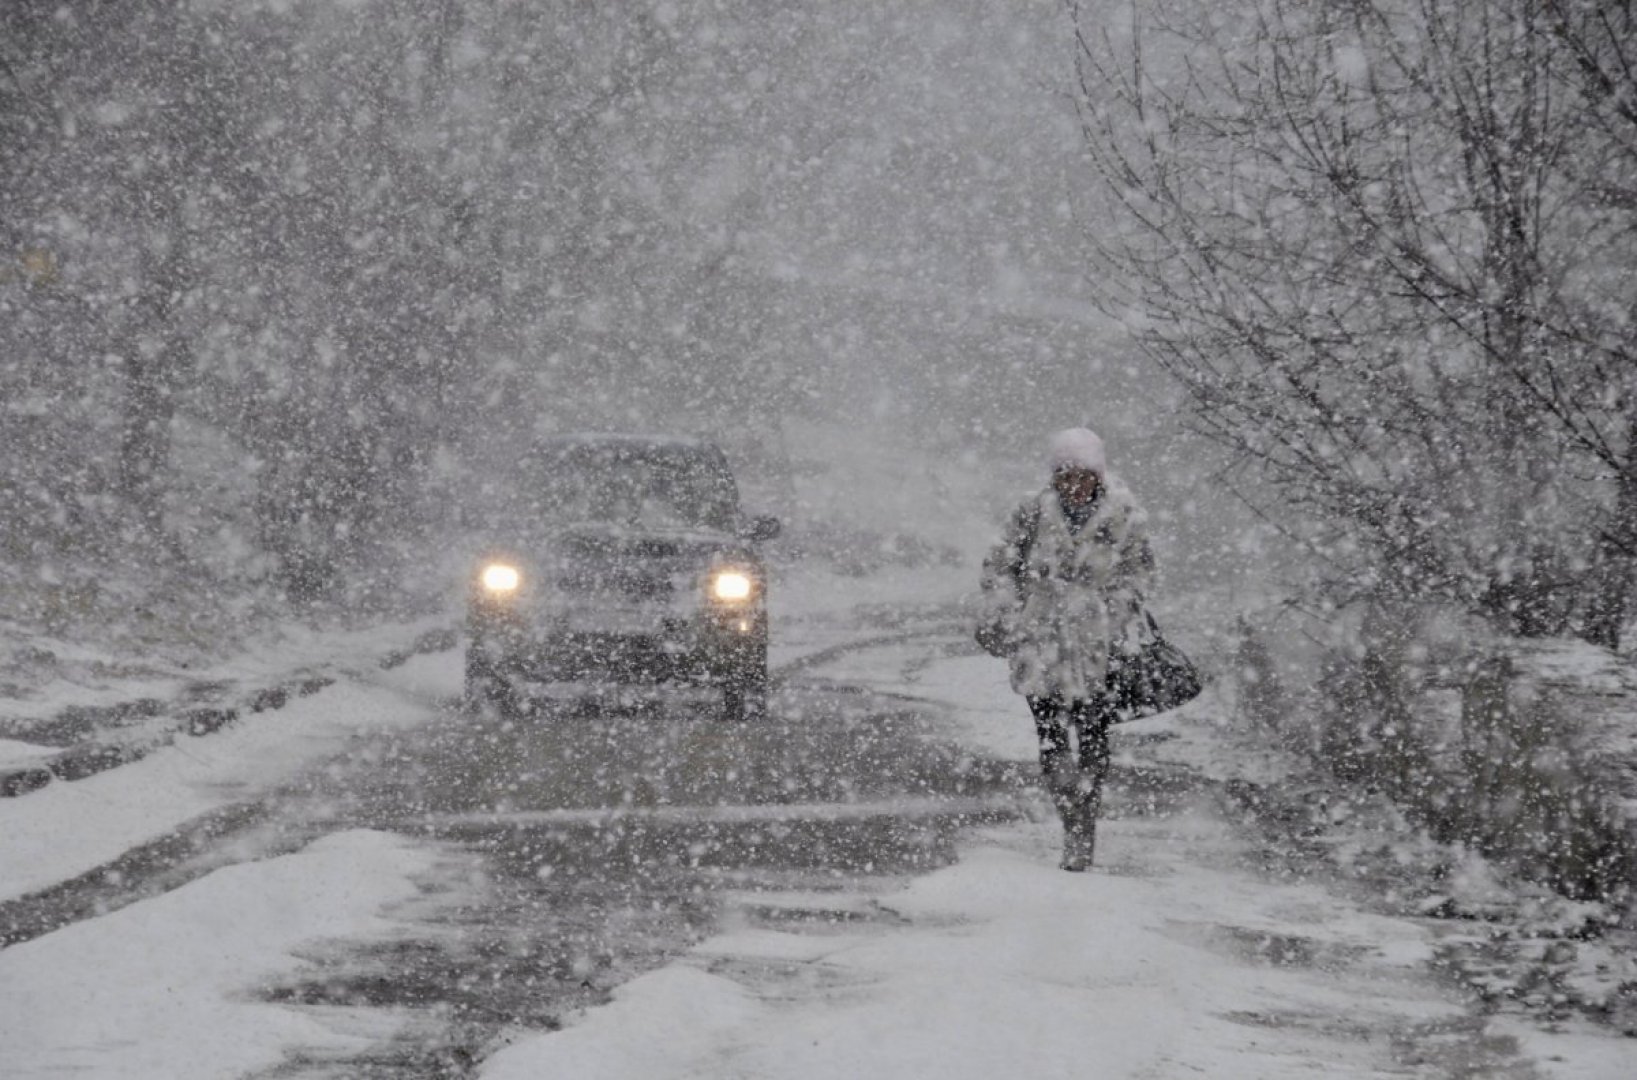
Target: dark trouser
{"x": 1075, "y": 778}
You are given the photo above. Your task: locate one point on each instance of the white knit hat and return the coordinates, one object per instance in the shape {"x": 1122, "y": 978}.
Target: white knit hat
{"x": 1077, "y": 448}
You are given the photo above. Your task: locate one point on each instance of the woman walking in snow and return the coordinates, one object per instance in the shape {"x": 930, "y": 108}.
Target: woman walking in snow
{"x": 1060, "y": 592}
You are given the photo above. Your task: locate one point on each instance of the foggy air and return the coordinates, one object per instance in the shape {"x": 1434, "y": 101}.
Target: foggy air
{"x": 713, "y": 538}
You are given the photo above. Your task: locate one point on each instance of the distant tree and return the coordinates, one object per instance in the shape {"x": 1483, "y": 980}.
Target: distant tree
{"x": 254, "y": 240}
{"x": 1385, "y": 245}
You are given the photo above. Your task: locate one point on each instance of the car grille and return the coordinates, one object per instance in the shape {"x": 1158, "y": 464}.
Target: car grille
{"x": 641, "y": 568}
{"x": 627, "y": 582}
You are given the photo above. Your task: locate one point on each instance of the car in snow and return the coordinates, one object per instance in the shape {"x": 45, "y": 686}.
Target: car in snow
{"x": 619, "y": 558}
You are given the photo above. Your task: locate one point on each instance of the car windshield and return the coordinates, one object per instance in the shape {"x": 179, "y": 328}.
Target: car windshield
{"x": 638, "y": 485}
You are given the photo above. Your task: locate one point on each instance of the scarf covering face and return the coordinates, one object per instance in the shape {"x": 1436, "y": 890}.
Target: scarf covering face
{"x": 1077, "y": 514}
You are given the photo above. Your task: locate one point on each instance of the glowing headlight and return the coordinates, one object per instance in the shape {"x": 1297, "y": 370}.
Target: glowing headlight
{"x": 500, "y": 578}
{"x": 731, "y": 585}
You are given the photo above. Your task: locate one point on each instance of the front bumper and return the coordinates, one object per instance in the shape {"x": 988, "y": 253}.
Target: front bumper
{"x": 711, "y": 647}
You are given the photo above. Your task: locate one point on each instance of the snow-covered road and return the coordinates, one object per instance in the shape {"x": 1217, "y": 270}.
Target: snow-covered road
{"x": 861, "y": 887}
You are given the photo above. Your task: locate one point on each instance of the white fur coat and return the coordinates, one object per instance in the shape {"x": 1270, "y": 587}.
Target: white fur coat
{"x": 1068, "y": 598}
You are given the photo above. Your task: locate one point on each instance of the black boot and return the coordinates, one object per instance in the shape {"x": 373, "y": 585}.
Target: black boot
{"x": 1077, "y": 808}
{"x": 1079, "y": 842}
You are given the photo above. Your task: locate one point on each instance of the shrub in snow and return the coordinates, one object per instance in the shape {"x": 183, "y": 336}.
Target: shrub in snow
{"x": 1502, "y": 767}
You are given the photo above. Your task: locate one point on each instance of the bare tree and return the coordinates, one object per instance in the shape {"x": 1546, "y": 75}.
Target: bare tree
{"x": 1368, "y": 237}
{"x": 1598, "y": 38}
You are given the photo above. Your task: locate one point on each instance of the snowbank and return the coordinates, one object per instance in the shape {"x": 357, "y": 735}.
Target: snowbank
{"x": 64, "y": 830}
{"x": 164, "y": 988}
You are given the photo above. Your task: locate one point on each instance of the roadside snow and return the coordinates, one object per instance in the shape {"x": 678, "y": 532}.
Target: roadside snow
{"x": 657, "y": 1023}
{"x": 16, "y": 752}
{"x": 1574, "y": 1055}
{"x": 164, "y": 988}
{"x": 41, "y": 676}
{"x": 813, "y": 609}
{"x": 66, "y": 829}
{"x": 974, "y": 698}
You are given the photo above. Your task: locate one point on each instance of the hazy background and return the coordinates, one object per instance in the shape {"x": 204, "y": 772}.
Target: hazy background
{"x": 288, "y": 275}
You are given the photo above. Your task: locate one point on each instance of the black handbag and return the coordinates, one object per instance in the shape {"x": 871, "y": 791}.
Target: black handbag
{"x": 1156, "y": 678}
{"x": 992, "y": 638}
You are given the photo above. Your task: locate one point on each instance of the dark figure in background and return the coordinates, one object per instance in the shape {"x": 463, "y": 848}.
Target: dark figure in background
{"x": 1060, "y": 592}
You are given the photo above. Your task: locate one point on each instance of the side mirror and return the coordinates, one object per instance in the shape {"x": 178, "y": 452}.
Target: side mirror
{"x": 760, "y": 528}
